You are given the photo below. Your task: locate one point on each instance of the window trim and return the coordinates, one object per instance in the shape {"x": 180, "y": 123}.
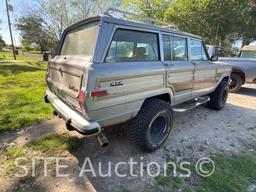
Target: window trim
{"x": 136, "y": 30}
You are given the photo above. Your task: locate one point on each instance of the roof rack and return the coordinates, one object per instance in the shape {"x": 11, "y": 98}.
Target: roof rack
{"x": 114, "y": 13}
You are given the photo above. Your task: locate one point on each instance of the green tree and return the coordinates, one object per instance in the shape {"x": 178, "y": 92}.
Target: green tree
{"x": 218, "y": 21}
{"x": 150, "y": 8}
{"x": 2, "y": 43}
{"x": 247, "y": 31}
{"x": 32, "y": 32}
{"x": 56, "y": 15}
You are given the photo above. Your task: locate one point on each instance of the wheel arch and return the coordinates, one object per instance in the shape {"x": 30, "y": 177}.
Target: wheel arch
{"x": 239, "y": 72}
{"x": 166, "y": 96}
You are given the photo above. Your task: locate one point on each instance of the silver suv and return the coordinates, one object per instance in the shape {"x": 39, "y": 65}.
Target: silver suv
{"x": 109, "y": 71}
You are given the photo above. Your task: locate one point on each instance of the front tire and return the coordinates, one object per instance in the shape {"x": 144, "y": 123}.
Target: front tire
{"x": 219, "y": 97}
{"x": 152, "y": 125}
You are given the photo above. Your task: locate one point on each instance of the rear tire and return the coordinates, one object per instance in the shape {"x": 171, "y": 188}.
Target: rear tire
{"x": 152, "y": 125}
{"x": 236, "y": 83}
{"x": 219, "y": 97}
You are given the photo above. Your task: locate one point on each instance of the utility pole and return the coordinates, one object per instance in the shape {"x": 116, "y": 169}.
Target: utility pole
{"x": 10, "y": 29}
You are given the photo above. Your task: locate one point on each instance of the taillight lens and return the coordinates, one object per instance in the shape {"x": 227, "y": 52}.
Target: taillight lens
{"x": 99, "y": 93}
{"x": 81, "y": 99}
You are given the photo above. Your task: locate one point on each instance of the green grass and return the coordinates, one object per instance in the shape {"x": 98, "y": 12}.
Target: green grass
{"x": 162, "y": 180}
{"x": 34, "y": 52}
{"x": 4, "y": 55}
{"x": 233, "y": 174}
{"x": 22, "y": 87}
{"x": 176, "y": 182}
{"x": 53, "y": 144}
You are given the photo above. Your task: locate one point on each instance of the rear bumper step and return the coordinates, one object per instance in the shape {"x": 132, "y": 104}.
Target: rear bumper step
{"x": 74, "y": 121}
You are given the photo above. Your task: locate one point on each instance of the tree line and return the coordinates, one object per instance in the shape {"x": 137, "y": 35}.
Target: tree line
{"x": 219, "y": 22}
{"x": 44, "y": 21}
{"x": 2, "y": 43}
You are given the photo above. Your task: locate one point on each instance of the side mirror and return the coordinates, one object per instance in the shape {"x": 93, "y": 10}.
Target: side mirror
{"x": 214, "y": 58}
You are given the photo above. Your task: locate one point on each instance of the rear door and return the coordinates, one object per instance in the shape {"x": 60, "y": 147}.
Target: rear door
{"x": 180, "y": 71}
{"x": 67, "y": 72}
{"x": 205, "y": 70}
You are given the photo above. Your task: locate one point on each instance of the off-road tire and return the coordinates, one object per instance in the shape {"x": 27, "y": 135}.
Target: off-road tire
{"x": 218, "y": 98}
{"x": 236, "y": 83}
{"x": 140, "y": 127}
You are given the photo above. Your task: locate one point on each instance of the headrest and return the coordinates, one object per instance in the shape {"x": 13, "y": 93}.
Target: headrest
{"x": 140, "y": 51}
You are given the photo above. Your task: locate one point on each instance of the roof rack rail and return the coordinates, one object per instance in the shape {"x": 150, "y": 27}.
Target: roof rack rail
{"x": 113, "y": 12}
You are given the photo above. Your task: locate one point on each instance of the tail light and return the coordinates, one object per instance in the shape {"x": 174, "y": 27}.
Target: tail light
{"x": 81, "y": 99}
{"x": 99, "y": 93}
{"x": 82, "y": 95}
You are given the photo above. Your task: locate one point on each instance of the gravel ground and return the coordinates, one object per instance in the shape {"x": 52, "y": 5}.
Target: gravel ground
{"x": 198, "y": 133}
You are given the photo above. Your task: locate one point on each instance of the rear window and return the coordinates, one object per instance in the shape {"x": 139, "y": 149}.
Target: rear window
{"x": 130, "y": 45}
{"x": 81, "y": 41}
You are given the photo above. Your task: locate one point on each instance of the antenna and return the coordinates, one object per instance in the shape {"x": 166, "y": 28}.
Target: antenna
{"x": 114, "y": 13}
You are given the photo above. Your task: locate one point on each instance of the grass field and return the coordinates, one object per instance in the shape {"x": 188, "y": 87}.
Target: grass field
{"x": 34, "y": 52}
{"x": 22, "y": 87}
{"x": 7, "y": 55}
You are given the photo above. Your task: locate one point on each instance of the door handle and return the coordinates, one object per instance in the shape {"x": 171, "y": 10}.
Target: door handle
{"x": 169, "y": 65}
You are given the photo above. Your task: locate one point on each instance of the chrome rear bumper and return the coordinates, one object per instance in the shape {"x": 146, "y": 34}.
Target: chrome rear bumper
{"x": 71, "y": 117}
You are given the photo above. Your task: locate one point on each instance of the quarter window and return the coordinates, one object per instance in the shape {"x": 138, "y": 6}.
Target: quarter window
{"x": 129, "y": 45}
{"x": 197, "y": 50}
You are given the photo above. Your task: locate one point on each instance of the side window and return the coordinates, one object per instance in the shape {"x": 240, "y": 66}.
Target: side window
{"x": 197, "y": 50}
{"x": 179, "y": 48}
{"x": 130, "y": 45}
{"x": 167, "y": 48}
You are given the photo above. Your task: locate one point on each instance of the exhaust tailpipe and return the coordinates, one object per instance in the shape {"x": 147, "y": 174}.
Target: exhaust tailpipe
{"x": 55, "y": 113}
{"x": 102, "y": 139}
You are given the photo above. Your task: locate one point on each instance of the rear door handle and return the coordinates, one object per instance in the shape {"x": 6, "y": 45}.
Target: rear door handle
{"x": 169, "y": 65}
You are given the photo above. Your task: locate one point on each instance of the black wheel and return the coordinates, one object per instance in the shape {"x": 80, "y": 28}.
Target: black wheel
{"x": 219, "y": 96}
{"x": 152, "y": 125}
{"x": 236, "y": 83}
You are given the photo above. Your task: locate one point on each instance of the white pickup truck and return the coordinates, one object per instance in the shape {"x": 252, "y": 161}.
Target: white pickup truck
{"x": 243, "y": 69}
